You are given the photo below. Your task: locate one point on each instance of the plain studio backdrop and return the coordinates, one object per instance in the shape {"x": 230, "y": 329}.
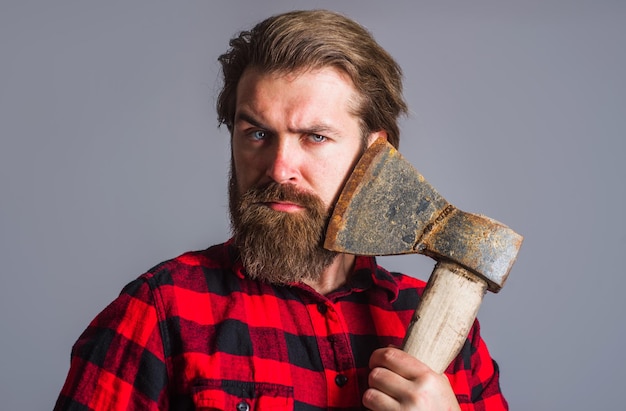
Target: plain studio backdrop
{"x": 111, "y": 161}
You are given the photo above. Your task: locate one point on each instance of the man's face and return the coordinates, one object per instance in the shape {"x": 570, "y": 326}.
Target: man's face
{"x": 296, "y": 129}
{"x": 294, "y": 142}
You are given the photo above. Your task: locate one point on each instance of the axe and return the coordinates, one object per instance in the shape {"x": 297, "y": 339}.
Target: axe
{"x": 386, "y": 207}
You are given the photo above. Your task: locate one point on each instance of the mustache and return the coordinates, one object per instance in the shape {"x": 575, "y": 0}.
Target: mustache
{"x": 274, "y": 192}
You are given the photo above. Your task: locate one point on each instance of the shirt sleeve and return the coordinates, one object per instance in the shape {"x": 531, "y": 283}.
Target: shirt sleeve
{"x": 118, "y": 362}
{"x": 475, "y": 376}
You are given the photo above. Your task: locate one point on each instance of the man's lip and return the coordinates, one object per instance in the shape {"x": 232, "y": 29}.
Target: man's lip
{"x": 285, "y": 206}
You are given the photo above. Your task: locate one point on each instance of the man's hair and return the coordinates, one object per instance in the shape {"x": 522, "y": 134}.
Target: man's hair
{"x": 314, "y": 39}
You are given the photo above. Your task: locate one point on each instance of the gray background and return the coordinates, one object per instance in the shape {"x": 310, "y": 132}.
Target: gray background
{"x": 111, "y": 161}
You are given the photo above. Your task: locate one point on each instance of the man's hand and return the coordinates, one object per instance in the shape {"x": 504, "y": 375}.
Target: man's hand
{"x": 399, "y": 381}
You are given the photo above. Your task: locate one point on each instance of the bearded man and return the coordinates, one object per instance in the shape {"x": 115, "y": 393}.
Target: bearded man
{"x": 270, "y": 319}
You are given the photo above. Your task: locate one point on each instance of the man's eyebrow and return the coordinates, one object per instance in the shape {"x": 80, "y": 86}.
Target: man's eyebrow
{"x": 240, "y": 116}
{"x": 315, "y": 128}
{"x": 319, "y": 128}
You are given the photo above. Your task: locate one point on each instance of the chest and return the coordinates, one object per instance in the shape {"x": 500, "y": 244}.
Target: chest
{"x": 269, "y": 351}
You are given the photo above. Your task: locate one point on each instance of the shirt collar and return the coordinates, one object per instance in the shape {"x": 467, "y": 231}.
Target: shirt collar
{"x": 365, "y": 274}
{"x": 367, "y": 268}
{"x": 235, "y": 259}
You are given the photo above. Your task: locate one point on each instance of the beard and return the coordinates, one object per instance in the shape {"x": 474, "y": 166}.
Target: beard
{"x": 279, "y": 247}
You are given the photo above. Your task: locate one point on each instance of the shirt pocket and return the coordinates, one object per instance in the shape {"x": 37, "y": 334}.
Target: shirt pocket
{"x": 229, "y": 395}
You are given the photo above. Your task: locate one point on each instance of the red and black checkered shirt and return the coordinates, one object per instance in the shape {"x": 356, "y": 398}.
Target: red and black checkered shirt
{"x": 196, "y": 333}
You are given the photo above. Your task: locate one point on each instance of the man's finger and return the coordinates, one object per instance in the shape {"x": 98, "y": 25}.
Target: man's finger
{"x": 399, "y": 362}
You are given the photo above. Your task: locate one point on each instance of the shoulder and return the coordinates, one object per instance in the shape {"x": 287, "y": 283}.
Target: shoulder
{"x": 406, "y": 290}
{"x": 189, "y": 269}
{"x": 404, "y": 281}
{"x": 209, "y": 271}
{"x": 408, "y": 281}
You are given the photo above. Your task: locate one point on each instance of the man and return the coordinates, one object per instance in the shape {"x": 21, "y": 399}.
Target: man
{"x": 270, "y": 319}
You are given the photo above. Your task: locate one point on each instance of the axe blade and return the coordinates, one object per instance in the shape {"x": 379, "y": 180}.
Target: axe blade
{"x": 384, "y": 206}
{"x": 387, "y": 207}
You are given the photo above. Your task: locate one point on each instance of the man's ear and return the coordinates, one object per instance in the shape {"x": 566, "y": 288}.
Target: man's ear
{"x": 375, "y": 136}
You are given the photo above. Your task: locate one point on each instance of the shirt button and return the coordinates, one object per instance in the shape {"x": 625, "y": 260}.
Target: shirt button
{"x": 322, "y": 308}
{"x": 243, "y": 406}
{"x": 341, "y": 380}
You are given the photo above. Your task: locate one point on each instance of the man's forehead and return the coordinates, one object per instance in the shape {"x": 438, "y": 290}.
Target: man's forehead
{"x": 254, "y": 99}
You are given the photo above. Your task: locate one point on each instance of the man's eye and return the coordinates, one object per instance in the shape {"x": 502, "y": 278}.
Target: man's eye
{"x": 258, "y": 135}
{"x": 317, "y": 138}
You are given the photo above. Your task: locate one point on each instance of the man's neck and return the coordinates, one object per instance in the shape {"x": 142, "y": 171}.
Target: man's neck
{"x": 334, "y": 276}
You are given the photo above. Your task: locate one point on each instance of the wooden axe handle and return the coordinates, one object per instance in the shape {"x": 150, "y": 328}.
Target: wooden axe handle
{"x": 444, "y": 316}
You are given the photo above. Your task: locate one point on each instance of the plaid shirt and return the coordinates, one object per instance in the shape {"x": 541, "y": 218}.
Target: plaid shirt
{"x": 195, "y": 331}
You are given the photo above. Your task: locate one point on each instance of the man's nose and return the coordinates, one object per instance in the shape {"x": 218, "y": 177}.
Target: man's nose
{"x": 284, "y": 162}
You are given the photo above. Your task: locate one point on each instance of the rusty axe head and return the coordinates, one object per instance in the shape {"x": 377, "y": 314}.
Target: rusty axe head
{"x": 387, "y": 207}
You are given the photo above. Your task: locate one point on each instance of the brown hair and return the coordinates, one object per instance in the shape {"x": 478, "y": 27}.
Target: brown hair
{"x": 311, "y": 39}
